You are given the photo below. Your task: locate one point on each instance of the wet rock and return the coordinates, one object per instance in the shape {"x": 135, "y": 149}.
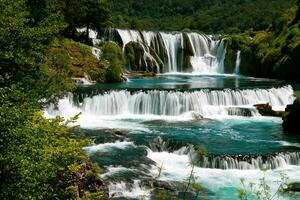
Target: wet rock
{"x": 117, "y": 132}
{"x": 291, "y": 118}
{"x": 293, "y": 187}
{"x": 140, "y": 57}
{"x": 266, "y": 110}
{"x": 164, "y": 185}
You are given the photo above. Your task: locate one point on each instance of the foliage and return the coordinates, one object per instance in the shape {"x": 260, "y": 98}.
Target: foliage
{"x": 262, "y": 191}
{"x": 23, "y": 41}
{"x": 40, "y": 158}
{"x": 74, "y": 59}
{"x": 210, "y": 16}
{"x": 273, "y": 53}
{"x": 91, "y": 14}
{"x": 113, "y": 53}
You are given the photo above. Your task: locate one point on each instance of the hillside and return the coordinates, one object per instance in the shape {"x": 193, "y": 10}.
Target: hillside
{"x": 209, "y": 16}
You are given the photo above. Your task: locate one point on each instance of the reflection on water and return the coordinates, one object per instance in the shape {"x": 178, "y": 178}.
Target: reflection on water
{"x": 189, "y": 82}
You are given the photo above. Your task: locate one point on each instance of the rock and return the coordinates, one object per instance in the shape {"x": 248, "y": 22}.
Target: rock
{"x": 266, "y": 110}
{"x": 291, "y": 118}
{"x": 293, "y": 187}
{"x": 117, "y": 132}
{"x": 149, "y": 74}
{"x": 140, "y": 57}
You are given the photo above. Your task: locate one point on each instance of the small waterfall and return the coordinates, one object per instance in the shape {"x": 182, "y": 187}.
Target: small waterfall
{"x": 172, "y": 43}
{"x": 175, "y": 103}
{"x": 250, "y": 163}
{"x": 237, "y": 62}
{"x": 209, "y": 54}
{"x": 241, "y": 162}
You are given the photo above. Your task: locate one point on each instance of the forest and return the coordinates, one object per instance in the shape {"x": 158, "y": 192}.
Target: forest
{"x": 209, "y": 16}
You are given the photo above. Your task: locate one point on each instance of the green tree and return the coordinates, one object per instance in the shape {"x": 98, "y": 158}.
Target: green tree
{"x": 91, "y": 14}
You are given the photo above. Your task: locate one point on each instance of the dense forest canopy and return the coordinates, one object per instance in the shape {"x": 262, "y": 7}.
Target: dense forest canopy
{"x": 210, "y": 16}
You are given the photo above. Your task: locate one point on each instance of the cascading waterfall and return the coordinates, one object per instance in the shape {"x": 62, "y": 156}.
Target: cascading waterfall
{"x": 172, "y": 43}
{"x": 240, "y": 162}
{"x": 208, "y": 53}
{"x": 250, "y": 163}
{"x": 237, "y": 62}
{"x": 175, "y": 103}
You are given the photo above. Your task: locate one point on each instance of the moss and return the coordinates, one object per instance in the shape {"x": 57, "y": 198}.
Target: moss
{"x": 268, "y": 54}
{"x": 75, "y": 60}
{"x": 136, "y": 60}
{"x": 149, "y": 74}
{"x": 134, "y": 52}
{"x": 186, "y": 53}
{"x": 112, "y": 53}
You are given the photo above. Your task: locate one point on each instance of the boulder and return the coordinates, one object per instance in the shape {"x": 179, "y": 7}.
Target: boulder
{"x": 293, "y": 187}
{"x": 291, "y": 118}
{"x": 117, "y": 132}
{"x": 140, "y": 57}
{"x": 266, "y": 110}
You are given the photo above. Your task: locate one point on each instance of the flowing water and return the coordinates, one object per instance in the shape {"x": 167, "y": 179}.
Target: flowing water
{"x": 204, "y": 53}
{"x": 147, "y": 124}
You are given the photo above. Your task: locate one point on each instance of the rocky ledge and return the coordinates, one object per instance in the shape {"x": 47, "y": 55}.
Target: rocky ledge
{"x": 291, "y": 118}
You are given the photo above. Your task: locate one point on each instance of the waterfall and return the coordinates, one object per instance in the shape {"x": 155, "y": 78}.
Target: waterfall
{"x": 241, "y": 162}
{"x": 237, "y": 62}
{"x": 172, "y": 43}
{"x": 249, "y": 163}
{"x": 209, "y": 53}
{"x": 175, "y": 103}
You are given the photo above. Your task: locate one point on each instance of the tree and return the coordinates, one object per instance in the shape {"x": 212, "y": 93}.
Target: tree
{"x": 91, "y": 14}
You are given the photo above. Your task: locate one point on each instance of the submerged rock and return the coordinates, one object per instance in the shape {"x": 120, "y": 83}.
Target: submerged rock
{"x": 291, "y": 118}
{"x": 266, "y": 110}
{"x": 116, "y": 131}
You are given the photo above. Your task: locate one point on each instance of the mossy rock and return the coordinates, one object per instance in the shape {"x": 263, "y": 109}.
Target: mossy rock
{"x": 230, "y": 61}
{"x": 112, "y": 54}
{"x": 75, "y": 59}
{"x": 141, "y": 58}
{"x": 186, "y": 53}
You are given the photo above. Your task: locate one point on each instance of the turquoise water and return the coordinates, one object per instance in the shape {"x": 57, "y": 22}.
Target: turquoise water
{"x": 130, "y": 159}
{"x": 189, "y": 82}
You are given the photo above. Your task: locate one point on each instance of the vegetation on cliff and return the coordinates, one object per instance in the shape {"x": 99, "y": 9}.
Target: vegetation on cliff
{"x": 74, "y": 59}
{"x": 272, "y": 53}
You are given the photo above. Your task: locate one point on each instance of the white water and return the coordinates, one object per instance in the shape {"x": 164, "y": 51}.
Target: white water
{"x": 106, "y": 147}
{"x": 176, "y": 168}
{"x": 96, "y": 52}
{"x": 172, "y": 103}
{"x": 208, "y": 56}
{"x": 238, "y": 62}
{"x": 122, "y": 189}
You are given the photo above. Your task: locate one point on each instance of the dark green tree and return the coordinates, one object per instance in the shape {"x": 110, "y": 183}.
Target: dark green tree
{"x": 91, "y": 14}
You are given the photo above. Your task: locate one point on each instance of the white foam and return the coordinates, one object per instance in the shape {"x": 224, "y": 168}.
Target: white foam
{"x": 121, "y": 189}
{"x": 176, "y": 168}
{"x": 106, "y": 147}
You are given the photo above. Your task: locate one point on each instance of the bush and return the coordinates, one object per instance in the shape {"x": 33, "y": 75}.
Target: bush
{"x": 113, "y": 54}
